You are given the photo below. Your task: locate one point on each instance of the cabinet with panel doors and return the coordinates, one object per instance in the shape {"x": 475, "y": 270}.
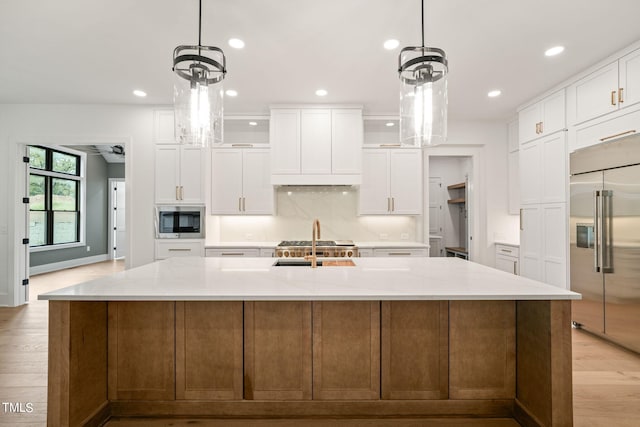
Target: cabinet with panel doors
{"x": 179, "y": 174}
{"x": 391, "y": 181}
{"x": 543, "y": 118}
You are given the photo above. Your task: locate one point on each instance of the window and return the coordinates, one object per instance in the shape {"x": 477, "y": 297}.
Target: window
{"x": 55, "y": 183}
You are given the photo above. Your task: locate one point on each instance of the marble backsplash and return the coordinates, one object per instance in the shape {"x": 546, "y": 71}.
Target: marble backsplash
{"x": 297, "y": 206}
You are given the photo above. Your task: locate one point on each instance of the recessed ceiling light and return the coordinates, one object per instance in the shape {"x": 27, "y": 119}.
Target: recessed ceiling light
{"x": 253, "y": 123}
{"x": 389, "y": 124}
{"x": 494, "y": 93}
{"x": 231, "y": 92}
{"x": 236, "y": 43}
{"x": 140, "y": 93}
{"x": 391, "y": 44}
{"x": 321, "y": 92}
{"x": 554, "y": 51}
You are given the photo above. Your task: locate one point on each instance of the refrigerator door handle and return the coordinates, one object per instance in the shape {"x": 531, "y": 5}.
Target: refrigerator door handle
{"x": 596, "y": 227}
{"x": 607, "y": 223}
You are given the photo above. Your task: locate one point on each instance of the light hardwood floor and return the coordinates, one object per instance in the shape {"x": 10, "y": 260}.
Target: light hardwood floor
{"x": 606, "y": 378}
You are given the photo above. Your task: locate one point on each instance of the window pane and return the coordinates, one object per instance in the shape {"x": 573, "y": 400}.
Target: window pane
{"x": 36, "y": 192}
{"x": 37, "y": 228}
{"x": 37, "y": 157}
{"x": 65, "y": 163}
{"x": 63, "y": 194}
{"x": 65, "y": 227}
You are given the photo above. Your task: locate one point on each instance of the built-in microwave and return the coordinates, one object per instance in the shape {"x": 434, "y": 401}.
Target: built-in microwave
{"x": 180, "y": 222}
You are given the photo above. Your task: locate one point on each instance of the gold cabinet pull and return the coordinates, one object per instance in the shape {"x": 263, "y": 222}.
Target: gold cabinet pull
{"x": 390, "y": 145}
{"x": 541, "y": 127}
{"x": 620, "y": 95}
{"x": 521, "y": 227}
{"x": 177, "y": 192}
{"x": 617, "y": 135}
{"x": 537, "y": 128}
{"x": 393, "y": 204}
{"x": 181, "y": 192}
{"x": 388, "y": 204}
{"x": 239, "y": 204}
{"x": 242, "y": 145}
{"x": 613, "y": 97}
{"x": 244, "y": 206}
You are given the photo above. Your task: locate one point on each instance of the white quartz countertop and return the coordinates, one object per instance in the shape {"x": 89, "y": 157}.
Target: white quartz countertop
{"x": 259, "y": 245}
{"x": 379, "y": 244}
{"x": 256, "y": 279}
{"x": 392, "y": 244}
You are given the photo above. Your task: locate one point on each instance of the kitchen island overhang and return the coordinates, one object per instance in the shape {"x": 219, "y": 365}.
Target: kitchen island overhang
{"x": 401, "y": 337}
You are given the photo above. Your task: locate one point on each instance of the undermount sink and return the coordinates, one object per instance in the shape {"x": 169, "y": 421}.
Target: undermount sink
{"x": 305, "y": 263}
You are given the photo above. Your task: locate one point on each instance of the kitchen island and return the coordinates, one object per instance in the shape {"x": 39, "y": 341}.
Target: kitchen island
{"x": 387, "y": 338}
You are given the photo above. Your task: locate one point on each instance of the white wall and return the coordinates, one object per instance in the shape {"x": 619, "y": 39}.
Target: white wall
{"x": 75, "y": 124}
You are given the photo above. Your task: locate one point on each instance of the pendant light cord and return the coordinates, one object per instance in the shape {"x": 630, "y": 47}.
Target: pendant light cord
{"x": 200, "y": 23}
{"x": 422, "y": 16}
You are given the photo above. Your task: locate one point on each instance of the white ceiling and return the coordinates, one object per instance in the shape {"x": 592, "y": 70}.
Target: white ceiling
{"x": 98, "y": 51}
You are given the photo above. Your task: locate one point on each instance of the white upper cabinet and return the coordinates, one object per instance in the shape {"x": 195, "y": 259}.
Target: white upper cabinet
{"x": 542, "y": 118}
{"x": 607, "y": 89}
{"x": 240, "y": 182}
{"x": 163, "y": 122}
{"x": 320, "y": 146}
{"x": 513, "y": 169}
{"x": 391, "y": 182}
{"x": 179, "y": 174}
{"x": 543, "y": 170}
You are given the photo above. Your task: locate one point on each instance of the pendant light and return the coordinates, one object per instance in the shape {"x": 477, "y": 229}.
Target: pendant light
{"x": 198, "y": 92}
{"x": 423, "y": 94}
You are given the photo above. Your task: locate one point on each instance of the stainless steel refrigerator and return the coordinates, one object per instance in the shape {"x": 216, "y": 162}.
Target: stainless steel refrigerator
{"x": 605, "y": 239}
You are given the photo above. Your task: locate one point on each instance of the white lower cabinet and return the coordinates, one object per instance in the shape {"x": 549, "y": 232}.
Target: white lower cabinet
{"x": 411, "y": 252}
{"x": 239, "y": 252}
{"x": 241, "y": 182}
{"x": 507, "y": 258}
{"x": 169, "y": 248}
{"x": 391, "y": 182}
{"x": 543, "y": 243}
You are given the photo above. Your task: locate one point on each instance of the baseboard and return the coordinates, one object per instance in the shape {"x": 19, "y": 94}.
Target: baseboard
{"x": 55, "y": 266}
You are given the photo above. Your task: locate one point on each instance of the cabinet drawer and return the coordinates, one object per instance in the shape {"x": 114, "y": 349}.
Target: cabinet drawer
{"x": 232, "y": 252}
{"x": 174, "y": 248}
{"x": 401, "y": 252}
{"x": 507, "y": 264}
{"x": 365, "y": 252}
{"x": 605, "y": 131}
{"x": 507, "y": 250}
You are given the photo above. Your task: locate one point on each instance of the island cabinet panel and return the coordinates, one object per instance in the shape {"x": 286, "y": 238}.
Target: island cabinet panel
{"x": 141, "y": 350}
{"x": 77, "y": 388}
{"x": 544, "y": 391}
{"x": 346, "y": 350}
{"x": 277, "y": 350}
{"x": 415, "y": 350}
{"x": 482, "y": 345}
{"x": 209, "y": 350}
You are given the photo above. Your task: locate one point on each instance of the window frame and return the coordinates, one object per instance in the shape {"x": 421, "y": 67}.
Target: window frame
{"x": 81, "y": 187}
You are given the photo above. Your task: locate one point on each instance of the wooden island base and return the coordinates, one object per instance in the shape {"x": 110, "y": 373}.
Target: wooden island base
{"x": 496, "y": 362}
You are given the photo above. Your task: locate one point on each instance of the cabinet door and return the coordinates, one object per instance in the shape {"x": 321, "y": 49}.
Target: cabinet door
{"x": 512, "y": 136}
{"x": 191, "y": 174}
{"x": 506, "y": 264}
{"x": 226, "y": 181}
{"x": 374, "y": 190}
{"x": 514, "y": 182}
{"x": 554, "y": 237}
{"x": 405, "y": 181}
{"x": 630, "y": 78}
{"x": 531, "y": 243}
{"x": 163, "y": 128}
{"x": 285, "y": 141}
{"x": 530, "y": 170}
{"x": 315, "y": 141}
{"x": 346, "y": 141}
{"x": 256, "y": 182}
{"x": 527, "y": 123}
{"x": 554, "y": 168}
{"x": 553, "y": 113}
{"x": 593, "y": 94}
{"x": 167, "y": 172}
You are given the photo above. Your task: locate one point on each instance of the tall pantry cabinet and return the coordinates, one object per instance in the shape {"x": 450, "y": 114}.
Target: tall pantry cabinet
{"x": 543, "y": 189}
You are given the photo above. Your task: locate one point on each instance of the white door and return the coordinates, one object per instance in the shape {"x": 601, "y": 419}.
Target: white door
{"x": 256, "y": 182}
{"x": 119, "y": 229}
{"x": 285, "y": 141}
{"x": 191, "y": 174}
{"x": 374, "y": 190}
{"x": 553, "y": 113}
{"x": 167, "y": 164}
{"x": 435, "y": 206}
{"x": 315, "y": 141}
{"x": 346, "y": 141}
{"x": 530, "y": 173}
{"x": 596, "y": 94}
{"x": 531, "y": 243}
{"x": 226, "y": 181}
{"x": 405, "y": 181}
{"x": 553, "y": 173}
{"x": 528, "y": 120}
{"x": 554, "y": 230}
{"x": 630, "y": 78}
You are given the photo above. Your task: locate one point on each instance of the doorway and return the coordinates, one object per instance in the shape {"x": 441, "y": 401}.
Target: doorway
{"x": 117, "y": 225}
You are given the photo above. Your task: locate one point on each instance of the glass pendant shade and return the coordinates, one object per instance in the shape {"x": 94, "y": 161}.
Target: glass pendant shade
{"x": 423, "y": 96}
{"x": 198, "y": 94}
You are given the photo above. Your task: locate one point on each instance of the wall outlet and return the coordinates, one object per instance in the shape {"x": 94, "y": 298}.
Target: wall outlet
{"x": 88, "y": 248}
{"x": 404, "y": 236}
{"x": 384, "y": 236}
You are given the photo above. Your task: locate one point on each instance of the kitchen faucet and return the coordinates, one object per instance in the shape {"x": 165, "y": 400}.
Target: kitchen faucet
{"x": 315, "y": 234}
